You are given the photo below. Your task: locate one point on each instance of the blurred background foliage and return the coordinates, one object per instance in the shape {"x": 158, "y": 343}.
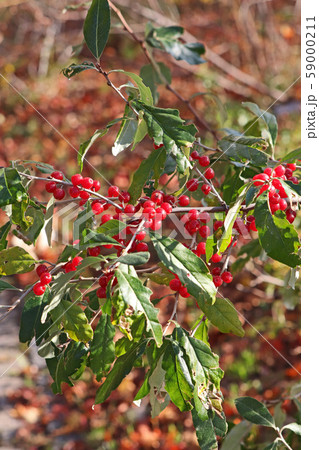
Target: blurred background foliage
{"x": 45, "y": 117}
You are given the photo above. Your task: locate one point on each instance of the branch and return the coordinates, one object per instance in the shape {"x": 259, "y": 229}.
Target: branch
{"x": 173, "y": 315}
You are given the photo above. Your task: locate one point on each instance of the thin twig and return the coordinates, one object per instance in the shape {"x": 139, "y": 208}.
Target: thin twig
{"x": 198, "y": 325}
{"x": 173, "y": 315}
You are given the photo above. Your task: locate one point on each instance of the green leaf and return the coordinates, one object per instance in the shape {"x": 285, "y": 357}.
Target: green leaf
{"x": 112, "y": 227}
{"x": 7, "y": 286}
{"x": 273, "y": 445}
{"x": 202, "y": 330}
{"x": 156, "y": 381}
{"x": 125, "y": 136}
{"x": 138, "y": 296}
{"x": 97, "y": 26}
{"x": 205, "y": 431}
{"x": 168, "y": 39}
{"x": 240, "y": 152}
{"x": 48, "y": 219}
{"x": 4, "y": 231}
{"x": 236, "y": 435}
{"x": 135, "y": 259}
{"x": 11, "y": 188}
{"x": 74, "y": 320}
{"x": 38, "y": 221}
{"x": 74, "y": 69}
{"x": 191, "y": 270}
{"x": 292, "y": 156}
{"x": 294, "y": 427}
{"x": 220, "y": 425}
{"x": 145, "y": 92}
{"x": 166, "y": 127}
{"x": 85, "y": 146}
{"x": 276, "y": 235}
{"x": 122, "y": 367}
{"x": 92, "y": 238}
{"x": 155, "y": 160}
{"x": 102, "y": 348}
{"x": 254, "y": 411}
{"x": 15, "y": 260}
{"x": 224, "y": 316}
{"x": 152, "y": 77}
{"x": 268, "y": 118}
{"x": 178, "y": 382}
{"x": 30, "y": 323}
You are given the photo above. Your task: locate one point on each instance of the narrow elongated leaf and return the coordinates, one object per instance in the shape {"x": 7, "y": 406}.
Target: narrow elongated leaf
{"x": 152, "y": 77}
{"x": 4, "y": 231}
{"x": 224, "y": 316}
{"x": 74, "y": 69}
{"x": 30, "y": 324}
{"x": 97, "y": 26}
{"x": 71, "y": 363}
{"x": 138, "y": 296}
{"x": 15, "y": 260}
{"x": 156, "y": 160}
{"x": 91, "y": 238}
{"x": 156, "y": 382}
{"x": 126, "y": 135}
{"x": 135, "y": 259}
{"x": 145, "y": 92}
{"x": 276, "y": 235}
{"x": 111, "y": 228}
{"x": 74, "y": 320}
{"x": 254, "y": 411}
{"x": 268, "y": 118}
{"x": 122, "y": 366}
{"x": 191, "y": 270}
{"x": 102, "y": 348}
{"x": 48, "y": 220}
{"x": 240, "y": 152}
{"x": 7, "y": 286}
{"x": 178, "y": 382}
{"x": 205, "y": 431}
{"x": 294, "y": 427}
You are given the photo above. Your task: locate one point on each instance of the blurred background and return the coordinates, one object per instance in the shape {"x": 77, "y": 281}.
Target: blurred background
{"x": 252, "y": 54}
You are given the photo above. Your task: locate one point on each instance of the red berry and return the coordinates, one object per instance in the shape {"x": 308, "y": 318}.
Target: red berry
{"x": 46, "y": 278}
{"x": 76, "y": 261}
{"x": 103, "y": 281}
{"x": 141, "y": 247}
{"x": 167, "y": 207}
{"x": 209, "y": 173}
{"x": 192, "y": 185}
{"x": 217, "y": 281}
{"x": 149, "y": 204}
{"x": 193, "y": 214}
{"x": 156, "y": 225}
{"x": 288, "y": 173}
{"x": 149, "y": 212}
{"x": 183, "y": 200}
{"x": 204, "y": 217}
{"x": 125, "y": 196}
{"x": 183, "y": 292}
{"x": 76, "y": 179}
{"x": 175, "y": 284}
{"x": 161, "y": 213}
{"x": 59, "y": 194}
{"x": 294, "y": 180}
{"x": 276, "y": 183}
{"x": 206, "y": 189}
{"x": 39, "y": 288}
{"x": 290, "y": 215}
{"x": 216, "y": 271}
{"x": 95, "y": 251}
{"x": 69, "y": 267}
{"x": 74, "y": 192}
{"x": 96, "y": 186}
{"x": 42, "y": 268}
{"x": 268, "y": 171}
{"x": 252, "y": 226}
{"x": 227, "y": 277}
{"x": 113, "y": 191}
{"x": 129, "y": 209}
{"x": 282, "y": 204}
{"x": 97, "y": 208}
{"x": 275, "y": 198}
{"x": 101, "y": 293}
{"x": 282, "y": 193}
{"x": 192, "y": 226}
{"x": 85, "y": 195}
{"x": 274, "y": 207}
{"x": 291, "y": 166}
{"x": 260, "y": 179}
{"x": 50, "y": 187}
{"x": 87, "y": 183}
{"x": 279, "y": 171}
{"x": 216, "y": 258}
{"x": 201, "y": 248}
{"x": 170, "y": 199}
{"x": 250, "y": 219}
{"x": 141, "y": 235}
{"x": 57, "y": 175}
{"x": 203, "y": 161}
{"x": 204, "y": 231}
{"x": 157, "y": 197}
{"x": 218, "y": 224}
{"x": 157, "y": 146}
{"x": 195, "y": 154}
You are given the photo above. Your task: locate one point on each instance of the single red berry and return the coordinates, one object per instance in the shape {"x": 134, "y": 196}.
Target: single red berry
{"x": 170, "y": 199}
{"x": 76, "y": 261}
{"x": 105, "y": 218}
{"x": 87, "y": 183}
{"x": 103, "y": 281}
{"x": 113, "y": 191}
{"x": 216, "y": 258}
{"x": 157, "y": 197}
{"x": 206, "y": 189}
{"x": 141, "y": 247}
{"x": 42, "y": 268}
{"x": 192, "y": 185}
{"x": 57, "y": 175}
{"x": 59, "y": 194}
{"x": 294, "y": 180}
{"x": 69, "y": 267}
{"x": 275, "y": 198}
{"x": 97, "y": 208}
{"x": 209, "y": 173}
{"x": 101, "y": 293}
{"x": 274, "y": 207}
{"x": 161, "y": 213}
{"x": 193, "y": 226}
{"x": 39, "y": 288}
{"x": 204, "y": 217}
{"x": 193, "y": 214}
{"x": 183, "y": 292}
{"x": 156, "y": 225}
{"x": 201, "y": 248}
{"x": 94, "y": 251}
{"x": 227, "y": 277}
{"x": 204, "y": 231}
{"x": 282, "y": 204}
{"x": 46, "y": 278}
{"x": 195, "y": 154}
{"x": 203, "y": 161}
{"x": 76, "y": 179}
{"x": 148, "y": 223}
{"x": 175, "y": 284}
{"x": 149, "y": 212}
{"x": 288, "y": 173}
{"x": 149, "y": 204}
{"x": 85, "y": 195}
{"x": 260, "y": 179}
{"x": 218, "y": 224}
{"x": 129, "y": 209}
{"x": 167, "y": 207}
{"x": 276, "y": 183}
{"x": 216, "y": 271}
{"x": 279, "y": 171}
{"x": 268, "y": 171}
{"x": 217, "y": 281}
{"x": 291, "y": 166}
{"x": 74, "y": 192}
{"x": 50, "y": 187}
{"x": 183, "y": 200}
{"x": 282, "y": 193}
{"x": 290, "y": 215}
{"x": 141, "y": 235}
{"x": 96, "y": 186}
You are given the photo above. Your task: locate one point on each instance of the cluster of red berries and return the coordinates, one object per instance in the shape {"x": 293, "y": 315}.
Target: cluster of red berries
{"x": 269, "y": 181}
{"x": 219, "y": 277}
{"x": 45, "y": 279}
{"x": 176, "y": 285}
{"x": 72, "y": 265}
{"x": 103, "y": 282}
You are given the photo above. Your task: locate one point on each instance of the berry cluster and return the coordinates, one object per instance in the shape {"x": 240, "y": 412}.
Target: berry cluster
{"x": 45, "y": 279}
{"x": 72, "y": 265}
{"x": 269, "y": 181}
